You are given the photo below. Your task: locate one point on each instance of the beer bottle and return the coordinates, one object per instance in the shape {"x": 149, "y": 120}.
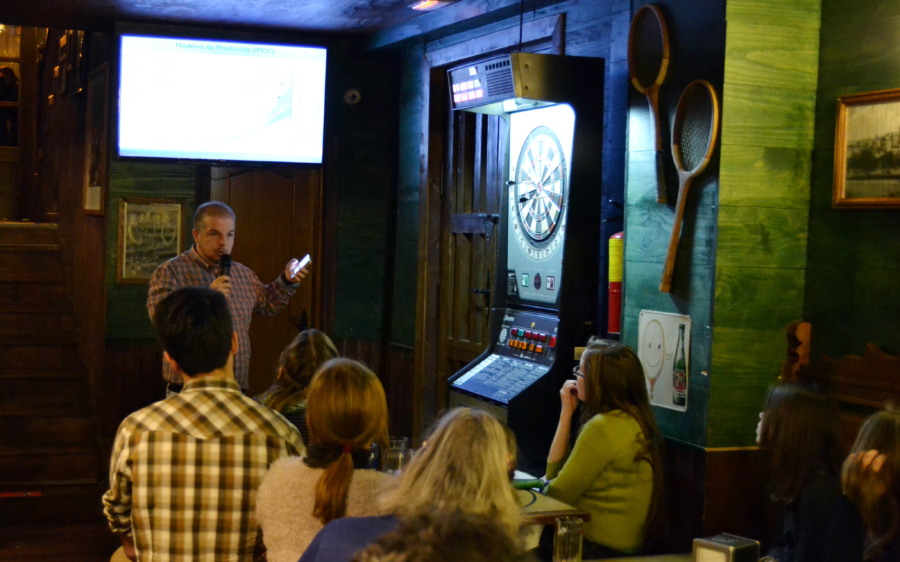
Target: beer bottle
{"x": 679, "y": 372}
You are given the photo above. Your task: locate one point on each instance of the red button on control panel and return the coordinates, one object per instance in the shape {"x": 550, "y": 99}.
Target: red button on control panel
{"x": 543, "y": 337}
{"x": 552, "y": 343}
{"x": 528, "y": 335}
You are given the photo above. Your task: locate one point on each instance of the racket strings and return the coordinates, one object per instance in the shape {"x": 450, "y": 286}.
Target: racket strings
{"x": 647, "y": 48}
{"x": 695, "y": 129}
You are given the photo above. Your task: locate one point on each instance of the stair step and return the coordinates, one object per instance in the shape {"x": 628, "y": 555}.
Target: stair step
{"x": 47, "y": 328}
{"x": 24, "y": 297}
{"x": 19, "y": 431}
{"x": 44, "y": 392}
{"x": 28, "y": 233}
{"x": 18, "y": 265}
{"x": 51, "y": 504}
{"x": 69, "y": 543}
{"x": 38, "y": 357}
{"x": 28, "y": 464}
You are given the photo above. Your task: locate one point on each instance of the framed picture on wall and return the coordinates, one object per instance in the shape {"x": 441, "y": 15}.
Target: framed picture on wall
{"x": 96, "y": 165}
{"x": 867, "y": 151}
{"x": 151, "y": 231}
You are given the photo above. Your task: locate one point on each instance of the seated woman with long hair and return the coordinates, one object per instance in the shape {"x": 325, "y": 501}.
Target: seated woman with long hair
{"x": 463, "y": 467}
{"x": 347, "y": 412}
{"x": 614, "y": 470}
{"x": 298, "y": 363}
{"x": 800, "y": 442}
{"x": 867, "y": 525}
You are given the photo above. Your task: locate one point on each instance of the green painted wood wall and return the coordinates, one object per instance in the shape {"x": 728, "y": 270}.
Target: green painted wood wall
{"x": 697, "y": 47}
{"x": 853, "y": 267}
{"x": 768, "y": 113}
{"x": 126, "y": 305}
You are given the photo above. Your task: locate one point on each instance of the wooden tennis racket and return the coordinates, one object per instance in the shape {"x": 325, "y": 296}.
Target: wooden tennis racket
{"x": 648, "y": 61}
{"x": 693, "y": 141}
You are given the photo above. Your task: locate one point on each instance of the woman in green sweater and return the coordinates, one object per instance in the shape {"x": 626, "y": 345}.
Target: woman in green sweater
{"x": 614, "y": 471}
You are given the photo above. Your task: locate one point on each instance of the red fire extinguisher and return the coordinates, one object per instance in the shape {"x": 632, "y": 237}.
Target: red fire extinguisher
{"x": 616, "y": 251}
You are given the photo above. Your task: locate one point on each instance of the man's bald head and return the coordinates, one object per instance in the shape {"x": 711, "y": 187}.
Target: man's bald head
{"x": 212, "y": 209}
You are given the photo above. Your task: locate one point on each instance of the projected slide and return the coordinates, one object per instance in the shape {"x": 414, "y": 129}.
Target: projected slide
{"x": 221, "y": 101}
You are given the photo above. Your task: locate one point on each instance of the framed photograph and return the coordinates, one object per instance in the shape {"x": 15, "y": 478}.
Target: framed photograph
{"x": 151, "y": 231}
{"x": 96, "y": 165}
{"x": 867, "y": 151}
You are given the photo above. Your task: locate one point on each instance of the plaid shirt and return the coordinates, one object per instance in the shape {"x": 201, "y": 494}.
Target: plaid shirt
{"x": 184, "y": 472}
{"x": 248, "y": 295}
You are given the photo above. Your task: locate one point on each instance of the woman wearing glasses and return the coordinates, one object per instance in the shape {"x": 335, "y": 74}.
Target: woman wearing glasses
{"x": 614, "y": 470}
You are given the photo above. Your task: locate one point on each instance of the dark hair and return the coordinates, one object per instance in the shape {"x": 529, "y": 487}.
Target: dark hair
{"x": 614, "y": 380}
{"x": 194, "y": 327}
{"x": 880, "y": 511}
{"x": 212, "y": 209}
{"x": 446, "y": 537}
{"x": 799, "y": 437}
{"x": 300, "y": 360}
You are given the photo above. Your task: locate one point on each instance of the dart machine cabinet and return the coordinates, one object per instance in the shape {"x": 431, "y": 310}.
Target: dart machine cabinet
{"x": 548, "y": 265}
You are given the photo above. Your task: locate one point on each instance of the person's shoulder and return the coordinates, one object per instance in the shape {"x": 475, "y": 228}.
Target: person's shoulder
{"x": 152, "y": 417}
{"x": 290, "y": 471}
{"x": 612, "y": 424}
{"x": 351, "y": 525}
{"x": 278, "y": 425}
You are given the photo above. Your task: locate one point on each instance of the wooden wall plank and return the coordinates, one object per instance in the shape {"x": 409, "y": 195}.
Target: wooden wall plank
{"x": 800, "y": 14}
{"x": 762, "y": 237}
{"x": 778, "y": 56}
{"x": 756, "y": 297}
{"x": 765, "y": 176}
{"x": 763, "y": 116}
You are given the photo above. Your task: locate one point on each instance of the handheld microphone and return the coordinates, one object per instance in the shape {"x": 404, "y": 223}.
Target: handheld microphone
{"x": 225, "y": 262}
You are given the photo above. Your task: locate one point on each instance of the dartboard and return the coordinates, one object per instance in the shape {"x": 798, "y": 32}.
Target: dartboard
{"x": 539, "y": 197}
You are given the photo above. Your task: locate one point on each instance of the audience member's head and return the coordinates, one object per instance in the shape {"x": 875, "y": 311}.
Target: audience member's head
{"x": 446, "y": 537}
{"x": 346, "y": 413}
{"x": 871, "y": 478}
{"x": 462, "y": 467}
{"x": 613, "y": 379}
{"x": 298, "y": 363}
{"x": 800, "y": 437}
{"x": 194, "y": 328}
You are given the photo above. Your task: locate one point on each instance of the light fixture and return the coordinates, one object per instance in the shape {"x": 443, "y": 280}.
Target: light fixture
{"x": 427, "y": 5}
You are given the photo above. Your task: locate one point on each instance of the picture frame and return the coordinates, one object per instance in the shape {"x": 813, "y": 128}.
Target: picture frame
{"x": 867, "y": 151}
{"x": 151, "y": 231}
{"x": 96, "y": 159}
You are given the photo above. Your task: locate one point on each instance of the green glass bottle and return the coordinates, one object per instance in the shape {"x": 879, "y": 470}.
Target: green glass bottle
{"x": 679, "y": 372}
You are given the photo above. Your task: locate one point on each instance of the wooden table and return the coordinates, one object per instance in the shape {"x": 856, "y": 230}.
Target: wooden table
{"x": 544, "y": 510}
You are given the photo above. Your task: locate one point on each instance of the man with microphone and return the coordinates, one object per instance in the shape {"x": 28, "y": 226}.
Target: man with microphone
{"x": 208, "y": 264}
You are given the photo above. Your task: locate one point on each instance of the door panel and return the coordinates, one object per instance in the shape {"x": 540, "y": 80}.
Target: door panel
{"x": 278, "y": 218}
{"x": 469, "y": 219}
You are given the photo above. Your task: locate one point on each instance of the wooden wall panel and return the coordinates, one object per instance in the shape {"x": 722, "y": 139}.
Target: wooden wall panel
{"x": 767, "y": 135}
{"x": 851, "y": 295}
{"x": 697, "y": 40}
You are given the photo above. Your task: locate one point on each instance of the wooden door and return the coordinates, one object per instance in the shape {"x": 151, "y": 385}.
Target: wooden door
{"x": 279, "y": 217}
{"x": 470, "y": 207}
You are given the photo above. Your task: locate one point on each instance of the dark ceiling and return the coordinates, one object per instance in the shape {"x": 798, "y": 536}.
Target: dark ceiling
{"x": 341, "y": 16}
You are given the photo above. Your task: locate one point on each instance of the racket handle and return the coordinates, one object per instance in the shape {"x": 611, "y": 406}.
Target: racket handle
{"x": 665, "y": 284}
{"x": 662, "y": 194}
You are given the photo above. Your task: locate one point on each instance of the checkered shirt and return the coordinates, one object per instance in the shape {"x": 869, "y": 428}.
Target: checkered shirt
{"x": 248, "y": 295}
{"x": 184, "y": 473}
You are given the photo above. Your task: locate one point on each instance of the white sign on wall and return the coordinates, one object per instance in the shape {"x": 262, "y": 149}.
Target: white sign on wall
{"x": 664, "y": 344}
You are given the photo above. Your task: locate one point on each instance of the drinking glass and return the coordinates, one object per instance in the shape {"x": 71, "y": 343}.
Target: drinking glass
{"x": 396, "y": 455}
{"x": 567, "y": 542}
